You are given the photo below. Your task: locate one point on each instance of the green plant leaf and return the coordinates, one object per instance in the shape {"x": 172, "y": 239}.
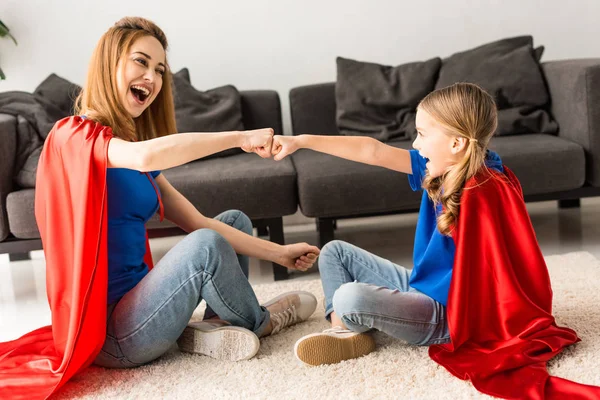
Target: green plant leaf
{"x": 4, "y": 31}
{"x": 2, "y": 76}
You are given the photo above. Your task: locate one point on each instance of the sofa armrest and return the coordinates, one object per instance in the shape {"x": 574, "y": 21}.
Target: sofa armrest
{"x": 8, "y": 149}
{"x": 261, "y": 109}
{"x": 313, "y": 109}
{"x": 575, "y": 92}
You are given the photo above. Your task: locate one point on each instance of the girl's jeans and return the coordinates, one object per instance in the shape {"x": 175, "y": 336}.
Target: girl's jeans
{"x": 369, "y": 292}
{"x": 149, "y": 319}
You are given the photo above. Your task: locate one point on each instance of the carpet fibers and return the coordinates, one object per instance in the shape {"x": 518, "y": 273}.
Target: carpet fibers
{"x": 395, "y": 370}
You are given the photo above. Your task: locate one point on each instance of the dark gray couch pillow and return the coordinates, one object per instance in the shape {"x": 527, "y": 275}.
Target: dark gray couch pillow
{"x": 54, "y": 99}
{"x": 59, "y": 92}
{"x": 380, "y": 101}
{"x": 509, "y": 70}
{"x": 216, "y": 110}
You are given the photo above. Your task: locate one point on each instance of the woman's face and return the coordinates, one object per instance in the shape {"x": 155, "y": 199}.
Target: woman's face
{"x": 140, "y": 75}
{"x": 441, "y": 149}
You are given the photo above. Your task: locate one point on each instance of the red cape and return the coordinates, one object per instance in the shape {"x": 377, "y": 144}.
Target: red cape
{"x": 71, "y": 214}
{"x": 500, "y": 300}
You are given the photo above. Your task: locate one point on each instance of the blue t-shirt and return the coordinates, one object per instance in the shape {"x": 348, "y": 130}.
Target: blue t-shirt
{"x": 132, "y": 201}
{"x": 433, "y": 256}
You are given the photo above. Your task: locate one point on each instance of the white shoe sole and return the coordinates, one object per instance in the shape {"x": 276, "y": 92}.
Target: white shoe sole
{"x": 229, "y": 343}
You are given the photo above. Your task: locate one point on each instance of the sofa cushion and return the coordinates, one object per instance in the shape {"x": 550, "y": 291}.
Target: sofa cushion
{"x": 380, "y": 101}
{"x": 21, "y": 216}
{"x": 333, "y": 187}
{"x": 329, "y": 186}
{"x": 543, "y": 163}
{"x": 59, "y": 92}
{"x": 262, "y": 188}
{"x": 215, "y": 110}
{"x": 509, "y": 70}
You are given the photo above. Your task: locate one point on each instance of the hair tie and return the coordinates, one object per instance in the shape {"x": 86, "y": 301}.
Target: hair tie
{"x": 473, "y": 140}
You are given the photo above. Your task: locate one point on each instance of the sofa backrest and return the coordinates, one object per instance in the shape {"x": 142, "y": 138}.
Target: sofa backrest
{"x": 313, "y": 109}
{"x": 261, "y": 109}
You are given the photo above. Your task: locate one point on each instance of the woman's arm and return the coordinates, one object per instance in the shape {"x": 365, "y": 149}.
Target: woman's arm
{"x": 180, "y": 211}
{"x": 355, "y": 148}
{"x": 177, "y": 149}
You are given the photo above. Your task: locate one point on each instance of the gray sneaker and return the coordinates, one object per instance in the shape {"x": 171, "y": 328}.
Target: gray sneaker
{"x": 220, "y": 340}
{"x": 290, "y": 308}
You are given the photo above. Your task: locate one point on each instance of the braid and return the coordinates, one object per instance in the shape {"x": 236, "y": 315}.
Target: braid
{"x": 464, "y": 110}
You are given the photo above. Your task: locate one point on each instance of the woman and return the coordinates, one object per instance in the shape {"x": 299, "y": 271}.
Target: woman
{"x": 99, "y": 182}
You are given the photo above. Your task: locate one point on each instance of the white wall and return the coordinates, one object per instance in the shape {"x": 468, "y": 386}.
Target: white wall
{"x": 269, "y": 44}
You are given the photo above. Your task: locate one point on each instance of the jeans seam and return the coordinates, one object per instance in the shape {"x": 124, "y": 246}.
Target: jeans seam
{"x": 108, "y": 354}
{"x": 119, "y": 340}
{"x": 120, "y": 359}
{"x": 402, "y": 320}
{"x": 223, "y": 300}
{"x": 364, "y": 264}
{"x": 439, "y": 340}
{"x": 236, "y": 218}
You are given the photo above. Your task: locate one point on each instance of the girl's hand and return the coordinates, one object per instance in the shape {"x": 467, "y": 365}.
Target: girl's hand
{"x": 258, "y": 141}
{"x": 284, "y": 146}
{"x": 298, "y": 256}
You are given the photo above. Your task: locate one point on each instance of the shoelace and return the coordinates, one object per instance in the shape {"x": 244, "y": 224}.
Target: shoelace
{"x": 284, "y": 318}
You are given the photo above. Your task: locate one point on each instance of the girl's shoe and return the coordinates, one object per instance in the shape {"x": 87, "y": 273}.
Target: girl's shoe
{"x": 290, "y": 308}
{"x": 220, "y": 340}
{"x": 332, "y": 346}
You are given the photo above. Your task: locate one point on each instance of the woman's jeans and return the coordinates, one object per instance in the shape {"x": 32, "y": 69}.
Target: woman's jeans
{"x": 369, "y": 292}
{"x": 149, "y": 319}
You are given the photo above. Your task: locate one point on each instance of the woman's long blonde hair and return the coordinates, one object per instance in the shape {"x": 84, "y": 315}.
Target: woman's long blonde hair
{"x": 99, "y": 98}
{"x": 468, "y": 111}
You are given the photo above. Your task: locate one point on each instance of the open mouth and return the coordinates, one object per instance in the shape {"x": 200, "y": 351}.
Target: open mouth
{"x": 140, "y": 93}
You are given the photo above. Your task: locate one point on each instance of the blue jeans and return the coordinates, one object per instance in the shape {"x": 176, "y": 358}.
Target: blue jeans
{"x": 369, "y": 292}
{"x": 149, "y": 319}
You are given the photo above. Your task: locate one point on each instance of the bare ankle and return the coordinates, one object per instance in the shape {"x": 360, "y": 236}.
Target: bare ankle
{"x": 336, "y": 322}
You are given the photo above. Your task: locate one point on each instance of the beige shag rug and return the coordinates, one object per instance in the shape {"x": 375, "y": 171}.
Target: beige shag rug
{"x": 394, "y": 371}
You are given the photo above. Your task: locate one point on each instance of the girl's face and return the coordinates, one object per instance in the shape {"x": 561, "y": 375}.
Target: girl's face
{"x": 140, "y": 75}
{"x": 442, "y": 150}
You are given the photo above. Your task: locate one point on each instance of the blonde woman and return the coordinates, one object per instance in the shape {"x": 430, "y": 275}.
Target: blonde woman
{"x": 99, "y": 182}
{"x": 479, "y": 293}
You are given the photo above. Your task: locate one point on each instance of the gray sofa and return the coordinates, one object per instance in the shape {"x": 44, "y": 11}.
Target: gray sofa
{"x": 563, "y": 167}
{"x": 262, "y": 188}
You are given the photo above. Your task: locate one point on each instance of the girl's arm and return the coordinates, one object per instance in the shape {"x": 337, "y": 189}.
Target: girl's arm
{"x": 180, "y": 211}
{"x": 177, "y": 149}
{"x": 355, "y": 148}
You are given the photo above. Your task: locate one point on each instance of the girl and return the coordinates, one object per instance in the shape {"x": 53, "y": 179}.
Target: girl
{"x": 99, "y": 182}
{"x": 479, "y": 292}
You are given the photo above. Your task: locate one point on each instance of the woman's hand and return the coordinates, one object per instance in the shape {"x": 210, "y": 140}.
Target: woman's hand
{"x": 283, "y": 146}
{"x": 258, "y": 141}
{"x": 299, "y": 256}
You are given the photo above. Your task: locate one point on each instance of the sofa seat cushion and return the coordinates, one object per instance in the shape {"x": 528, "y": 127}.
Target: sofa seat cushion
{"x": 262, "y": 188}
{"x": 21, "y": 217}
{"x": 543, "y": 163}
{"x": 332, "y": 187}
{"x": 329, "y": 186}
